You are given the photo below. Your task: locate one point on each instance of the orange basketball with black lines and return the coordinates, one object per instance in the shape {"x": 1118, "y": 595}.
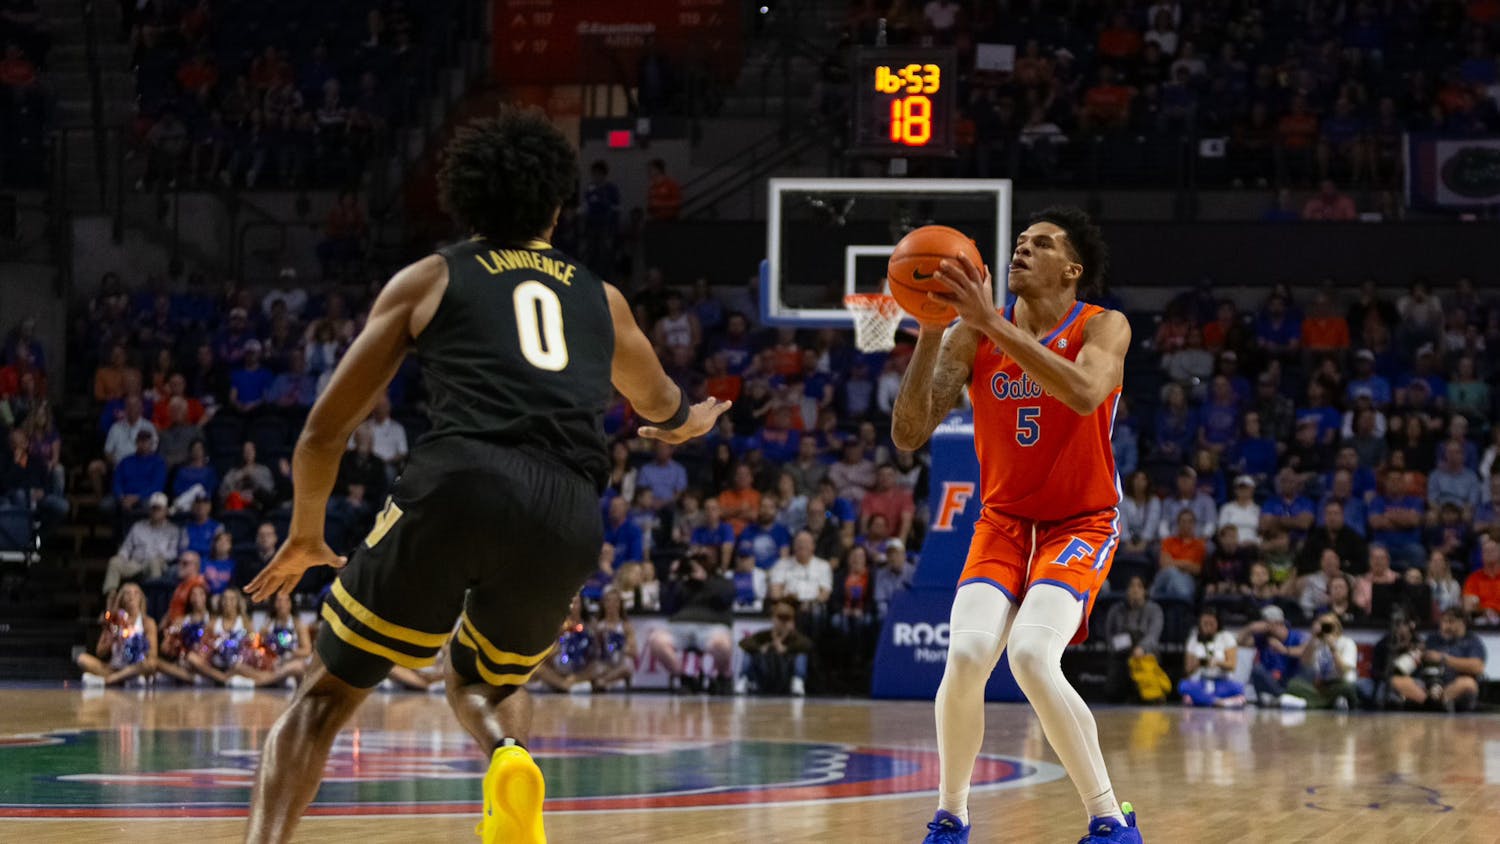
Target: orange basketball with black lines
{"x": 912, "y": 270}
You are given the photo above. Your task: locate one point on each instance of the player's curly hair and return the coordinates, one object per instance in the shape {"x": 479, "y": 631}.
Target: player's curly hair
{"x": 505, "y": 177}
{"x": 1085, "y": 241}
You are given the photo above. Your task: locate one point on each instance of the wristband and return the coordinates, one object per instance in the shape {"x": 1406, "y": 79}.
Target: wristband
{"x": 679, "y": 418}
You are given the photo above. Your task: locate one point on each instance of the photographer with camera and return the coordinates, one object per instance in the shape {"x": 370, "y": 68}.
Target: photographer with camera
{"x": 702, "y": 602}
{"x": 1209, "y": 662}
{"x": 1329, "y": 664}
{"x": 1446, "y": 672}
{"x": 1393, "y": 664}
{"x": 1274, "y": 664}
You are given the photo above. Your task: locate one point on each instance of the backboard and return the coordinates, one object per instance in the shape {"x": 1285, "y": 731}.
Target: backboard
{"x": 826, "y": 238}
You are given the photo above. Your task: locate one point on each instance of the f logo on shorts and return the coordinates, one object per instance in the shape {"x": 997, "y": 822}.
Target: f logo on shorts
{"x": 1077, "y": 550}
{"x": 956, "y": 495}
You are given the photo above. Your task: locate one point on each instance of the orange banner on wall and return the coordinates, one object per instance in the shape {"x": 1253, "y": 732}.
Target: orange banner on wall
{"x": 571, "y": 41}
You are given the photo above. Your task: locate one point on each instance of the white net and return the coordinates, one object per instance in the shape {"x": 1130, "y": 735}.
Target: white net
{"x": 876, "y": 318}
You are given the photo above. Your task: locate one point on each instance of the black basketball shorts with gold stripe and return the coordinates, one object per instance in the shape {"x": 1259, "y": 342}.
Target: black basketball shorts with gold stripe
{"x": 493, "y": 538}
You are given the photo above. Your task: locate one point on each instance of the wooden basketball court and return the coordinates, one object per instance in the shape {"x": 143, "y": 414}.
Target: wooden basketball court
{"x": 170, "y": 765}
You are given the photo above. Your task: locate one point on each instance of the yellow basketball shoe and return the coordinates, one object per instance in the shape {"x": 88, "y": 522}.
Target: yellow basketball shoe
{"x": 513, "y": 793}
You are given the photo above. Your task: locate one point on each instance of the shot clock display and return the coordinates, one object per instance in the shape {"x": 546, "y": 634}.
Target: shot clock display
{"x": 904, "y": 101}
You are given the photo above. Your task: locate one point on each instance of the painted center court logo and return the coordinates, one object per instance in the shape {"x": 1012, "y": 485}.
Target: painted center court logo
{"x": 128, "y": 773}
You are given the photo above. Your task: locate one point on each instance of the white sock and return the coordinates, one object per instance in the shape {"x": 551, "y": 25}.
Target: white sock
{"x": 978, "y": 624}
{"x": 1046, "y": 621}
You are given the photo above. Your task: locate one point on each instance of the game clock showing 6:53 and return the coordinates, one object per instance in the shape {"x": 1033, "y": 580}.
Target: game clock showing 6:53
{"x": 904, "y": 101}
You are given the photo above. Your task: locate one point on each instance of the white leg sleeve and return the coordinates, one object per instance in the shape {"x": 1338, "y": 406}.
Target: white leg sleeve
{"x": 1044, "y": 624}
{"x": 977, "y": 629}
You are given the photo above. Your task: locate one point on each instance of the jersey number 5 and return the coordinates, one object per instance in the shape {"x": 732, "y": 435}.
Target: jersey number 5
{"x": 539, "y": 326}
{"x": 1028, "y": 428}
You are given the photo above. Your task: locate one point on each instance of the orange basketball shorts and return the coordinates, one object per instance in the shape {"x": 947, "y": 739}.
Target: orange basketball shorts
{"x": 1074, "y": 554}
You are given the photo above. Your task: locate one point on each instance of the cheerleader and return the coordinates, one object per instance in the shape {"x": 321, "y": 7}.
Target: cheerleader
{"x": 128, "y": 641}
{"x": 183, "y": 635}
{"x": 571, "y": 664}
{"x": 219, "y": 651}
{"x": 277, "y": 653}
{"x": 614, "y": 642}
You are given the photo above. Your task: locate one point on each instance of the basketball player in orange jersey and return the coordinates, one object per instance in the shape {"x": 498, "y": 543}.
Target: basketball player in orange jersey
{"x": 1044, "y": 376}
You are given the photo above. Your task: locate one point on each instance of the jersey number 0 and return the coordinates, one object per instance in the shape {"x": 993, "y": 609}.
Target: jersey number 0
{"x": 539, "y": 326}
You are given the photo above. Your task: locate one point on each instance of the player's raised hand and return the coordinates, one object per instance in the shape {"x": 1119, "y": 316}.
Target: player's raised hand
{"x": 702, "y": 417}
{"x": 972, "y": 294}
{"x": 289, "y": 564}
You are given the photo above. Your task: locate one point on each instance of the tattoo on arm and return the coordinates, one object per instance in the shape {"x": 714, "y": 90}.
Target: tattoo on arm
{"x": 931, "y": 385}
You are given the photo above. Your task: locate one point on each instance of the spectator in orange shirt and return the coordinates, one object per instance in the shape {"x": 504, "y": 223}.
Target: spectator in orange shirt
{"x": 888, "y": 499}
{"x": 741, "y": 502}
{"x": 786, "y": 355}
{"x": 198, "y": 74}
{"x": 1482, "y": 588}
{"x": 1329, "y": 204}
{"x": 1119, "y": 40}
{"x": 1298, "y": 128}
{"x": 721, "y": 384}
{"x": 664, "y": 196}
{"x": 1182, "y": 556}
{"x": 1107, "y": 105}
{"x": 16, "y": 71}
{"x": 1324, "y": 328}
{"x": 109, "y": 380}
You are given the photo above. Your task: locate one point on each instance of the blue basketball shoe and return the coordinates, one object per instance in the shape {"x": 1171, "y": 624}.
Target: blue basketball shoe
{"x": 1110, "y": 831}
{"x": 946, "y": 828}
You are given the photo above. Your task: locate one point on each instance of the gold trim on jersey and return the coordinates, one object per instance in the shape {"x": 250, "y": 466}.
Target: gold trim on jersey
{"x": 343, "y": 631}
{"x": 491, "y": 677}
{"x": 494, "y": 654}
{"x": 364, "y": 616}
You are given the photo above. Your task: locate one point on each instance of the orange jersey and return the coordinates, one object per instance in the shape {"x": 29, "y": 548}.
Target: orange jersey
{"x": 1038, "y": 459}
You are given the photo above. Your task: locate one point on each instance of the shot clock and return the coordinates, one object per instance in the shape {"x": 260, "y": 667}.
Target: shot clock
{"x": 904, "y": 101}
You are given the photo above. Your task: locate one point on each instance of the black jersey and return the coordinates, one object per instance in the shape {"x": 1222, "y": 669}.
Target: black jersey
{"x": 519, "y": 353}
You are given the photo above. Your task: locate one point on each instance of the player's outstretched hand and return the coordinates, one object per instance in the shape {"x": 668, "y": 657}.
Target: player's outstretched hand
{"x": 702, "y": 417}
{"x": 971, "y": 292}
{"x": 287, "y": 567}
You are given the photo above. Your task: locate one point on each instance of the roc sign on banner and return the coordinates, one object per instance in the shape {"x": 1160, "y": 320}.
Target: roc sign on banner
{"x": 914, "y": 639}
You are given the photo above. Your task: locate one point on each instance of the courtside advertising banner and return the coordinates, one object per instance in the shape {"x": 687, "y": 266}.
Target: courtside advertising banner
{"x": 914, "y": 635}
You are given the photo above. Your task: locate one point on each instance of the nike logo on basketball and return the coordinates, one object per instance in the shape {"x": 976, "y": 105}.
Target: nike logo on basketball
{"x": 919, "y": 276}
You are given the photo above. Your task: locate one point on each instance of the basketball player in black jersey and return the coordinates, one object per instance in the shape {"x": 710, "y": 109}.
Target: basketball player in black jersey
{"x": 495, "y": 521}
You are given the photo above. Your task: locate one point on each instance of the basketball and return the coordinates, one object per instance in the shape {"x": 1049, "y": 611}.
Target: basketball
{"x": 913, "y": 265}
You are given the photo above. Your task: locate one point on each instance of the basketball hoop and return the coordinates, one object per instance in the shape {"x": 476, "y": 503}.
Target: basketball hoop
{"x": 876, "y": 318}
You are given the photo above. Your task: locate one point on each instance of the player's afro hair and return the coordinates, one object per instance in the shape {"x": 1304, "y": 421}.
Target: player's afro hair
{"x": 1084, "y": 240}
{"x": 505, "y": 177}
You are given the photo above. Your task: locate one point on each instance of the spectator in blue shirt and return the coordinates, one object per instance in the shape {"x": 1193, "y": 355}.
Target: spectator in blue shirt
{"x": 196, "y": 472}
{"x": 140, "y": 474}
{"x": 665, "y": 477}
{"x": 622, "y": 533}
{"x": 1188, "y": 497}
{"x": 249, "y": 384}
{"x": 1254, "y": 453}
{"x": 735, "y": 345}
{"x": 1221, "y": 415}
{"x": 714, "y": 534}
{"x": 295, "y": 388}
{"x": 842, "y": 510}
{"x": 1278, "y": 331}
{"x": 1341, "y": 492}
{"x": 1176, "y": 426}
{"x": 1329, "y": 418}
{"x": 1453, "y": 483}
{"x": 1125, "y": 441}
{"x": 1426, "y": 371}
{"x": 218, "y": 564}
{"x": 1361, "y": 478}
{"x": 1365, "y": 378}
{"x": 1396, "y": 520}
{"x": 198, "y": 534}
{"x": 763, "y": 538}
{"x": 1288, "y": 509}
{"x": 1274, "y": 644}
